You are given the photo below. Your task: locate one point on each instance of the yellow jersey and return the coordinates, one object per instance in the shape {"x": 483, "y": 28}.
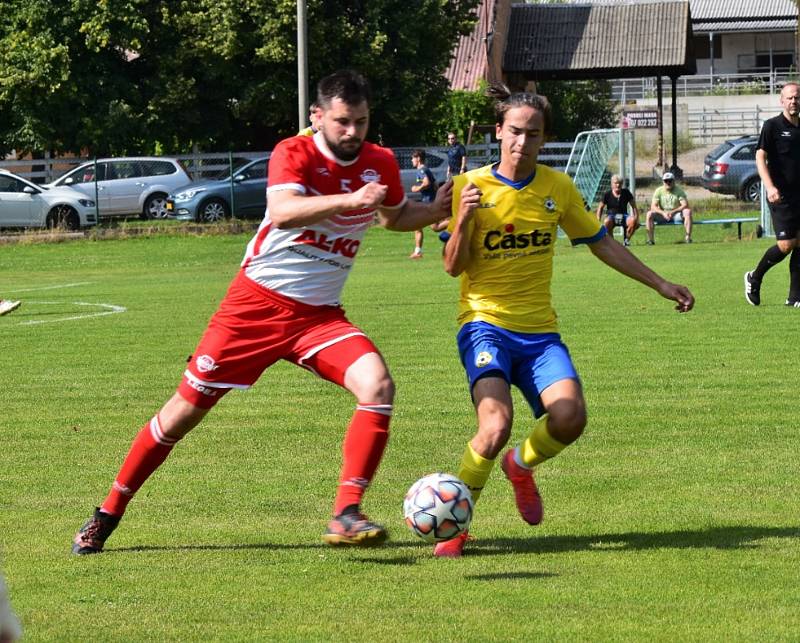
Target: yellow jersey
{"x": 512, "y": 238}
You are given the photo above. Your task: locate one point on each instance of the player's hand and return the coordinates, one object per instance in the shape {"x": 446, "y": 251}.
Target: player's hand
{"x": 774, "y": 195}
{"x": 470, "y": 200}
{"x": 370, "y": 195}
{"x": 444, "y": 198}
{"x": 680, "y": 294}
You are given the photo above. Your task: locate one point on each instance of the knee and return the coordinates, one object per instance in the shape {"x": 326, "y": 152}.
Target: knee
{"x": 178, "y": 416}
{"x": 687, "y": 214}
{"x": 567, "y": 420}
{"x": 375, "y": 390}
{"x": 786, "y": 245}
{"x": 494, "y": 430}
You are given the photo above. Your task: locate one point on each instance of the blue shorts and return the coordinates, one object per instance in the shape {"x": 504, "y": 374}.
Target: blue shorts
{"x": 529, "y": 361}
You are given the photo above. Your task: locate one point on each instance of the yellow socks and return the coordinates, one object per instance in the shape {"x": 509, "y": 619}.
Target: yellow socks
{"x": 474, "y": 471}
{"x": 539, "y": 445}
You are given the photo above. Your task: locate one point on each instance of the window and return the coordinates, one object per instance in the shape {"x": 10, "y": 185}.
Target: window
{"x": 702, "y": 47}
{"x": 10, "y": 184}
{"x": 125, "y": 170}
{"x": 256, "y": 171}
{"x": 157, "y": 168}
{"x": 745, "y": 153}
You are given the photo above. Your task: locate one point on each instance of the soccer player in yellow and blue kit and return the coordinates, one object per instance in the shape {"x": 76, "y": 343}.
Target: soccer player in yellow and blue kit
{"x": 503, "y": 233}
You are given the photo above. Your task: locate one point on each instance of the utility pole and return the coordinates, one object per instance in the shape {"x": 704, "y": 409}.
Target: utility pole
{"x": 302, "y": 65}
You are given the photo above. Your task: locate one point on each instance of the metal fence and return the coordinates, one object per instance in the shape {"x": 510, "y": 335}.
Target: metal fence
{"x": 213, "y": 164}
{"x": 198, "y": 166}
{"x": 765, "y": 82}
{"x": 713, "y": 125}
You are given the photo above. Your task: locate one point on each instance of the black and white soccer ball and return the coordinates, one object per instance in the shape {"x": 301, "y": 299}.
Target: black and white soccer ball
{"x": 438, "y": 507}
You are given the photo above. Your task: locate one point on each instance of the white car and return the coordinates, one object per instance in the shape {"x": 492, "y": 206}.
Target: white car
{"x": 126, "y": 186}
{"x": 26, "y": 205}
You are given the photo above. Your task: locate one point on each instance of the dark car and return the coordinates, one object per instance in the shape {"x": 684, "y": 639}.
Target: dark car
{"x": 731, "y": 169}
{"x": 210, "y": 201}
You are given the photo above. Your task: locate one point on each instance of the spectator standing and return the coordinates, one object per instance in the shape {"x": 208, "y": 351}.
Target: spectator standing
{"x": 456, "y": 156}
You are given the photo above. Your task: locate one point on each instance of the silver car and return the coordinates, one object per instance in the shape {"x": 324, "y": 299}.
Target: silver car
{"x": 126, "y": 186}
{"x": 435, "y": 161}
{"x": 731, "y": 169}
{"x": 26, "y": 205}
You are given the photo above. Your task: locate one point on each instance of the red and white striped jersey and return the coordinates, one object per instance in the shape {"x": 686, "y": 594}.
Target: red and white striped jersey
{"x": 310, "y": 264}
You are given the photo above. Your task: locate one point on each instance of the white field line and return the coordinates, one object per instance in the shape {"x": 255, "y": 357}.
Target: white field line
{"x": 78, "y": 283}
{"x": 106, "y": 309}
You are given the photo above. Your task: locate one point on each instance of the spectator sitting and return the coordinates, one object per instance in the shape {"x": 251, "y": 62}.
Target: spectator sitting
{"x": 669, "y": 204}
{"x": 615, "y": 202}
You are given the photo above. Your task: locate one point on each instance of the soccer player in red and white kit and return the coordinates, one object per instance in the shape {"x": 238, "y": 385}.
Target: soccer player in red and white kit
{"x": 323, "y": 192}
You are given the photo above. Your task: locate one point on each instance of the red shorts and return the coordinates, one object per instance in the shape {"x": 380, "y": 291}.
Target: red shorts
{"x": 254, "y": 327}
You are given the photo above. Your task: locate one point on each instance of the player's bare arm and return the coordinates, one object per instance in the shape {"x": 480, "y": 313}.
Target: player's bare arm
{"x": 620, "y": 259}
{"x": 293, "y": 209}
{"x": 419, "y": 187}
{"x": 773, "y": 194}
{"x": 456, "y": 252}
{"x": 414, "y": 215}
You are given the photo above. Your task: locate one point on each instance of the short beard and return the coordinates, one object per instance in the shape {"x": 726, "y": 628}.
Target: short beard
{"x": 344, "y": 154}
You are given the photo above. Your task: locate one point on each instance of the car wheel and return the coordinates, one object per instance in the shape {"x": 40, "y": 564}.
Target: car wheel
{"x": 155, "y": 207}
{"x": 213, "y": 210}
{"x": 63, "y": 216}
{"x": 751, "y": 191}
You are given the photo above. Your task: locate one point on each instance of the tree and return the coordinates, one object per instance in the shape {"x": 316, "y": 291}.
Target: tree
{"x": 579, "y": 106}
{"x": 125, "y": 76}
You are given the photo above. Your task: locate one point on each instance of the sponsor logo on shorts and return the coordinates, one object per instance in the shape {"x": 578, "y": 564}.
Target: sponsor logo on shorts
{"x": 483, "y": 358}
{"x": 206, "y": 364}
{"x": 205, "y": 390}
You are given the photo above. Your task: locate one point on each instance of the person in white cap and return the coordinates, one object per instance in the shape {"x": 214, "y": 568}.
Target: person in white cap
{"x": 669, "y": 204}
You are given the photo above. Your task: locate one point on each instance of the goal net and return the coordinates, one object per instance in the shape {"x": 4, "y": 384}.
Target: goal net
{"x": 598, "y": 154}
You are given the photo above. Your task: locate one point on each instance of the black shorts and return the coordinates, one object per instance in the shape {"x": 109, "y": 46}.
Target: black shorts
{"x": 785, "y": 219}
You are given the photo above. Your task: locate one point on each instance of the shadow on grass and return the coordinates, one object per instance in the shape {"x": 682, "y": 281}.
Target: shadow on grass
{"x": 511, "y": 576}
{"x": 738, "y": 537}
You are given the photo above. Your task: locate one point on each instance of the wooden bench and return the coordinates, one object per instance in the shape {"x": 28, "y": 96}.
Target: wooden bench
{"x": 738, "y": 221}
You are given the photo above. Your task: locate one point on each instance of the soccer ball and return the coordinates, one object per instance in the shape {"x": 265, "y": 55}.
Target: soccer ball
{"x": 438, "y": 507}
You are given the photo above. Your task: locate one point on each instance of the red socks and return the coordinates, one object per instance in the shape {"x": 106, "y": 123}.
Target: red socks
{"x": 362, "y": 449}
{"x": 149, "y": 449}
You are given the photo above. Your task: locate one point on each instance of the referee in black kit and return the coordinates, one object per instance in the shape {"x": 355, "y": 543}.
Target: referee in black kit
{"x": 778, "y": 163}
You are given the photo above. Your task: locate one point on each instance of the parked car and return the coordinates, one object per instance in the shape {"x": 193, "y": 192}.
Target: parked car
{"x": 435, "y": 160}
{"x": 26, "y": 205}
{"x": 127, "y": 186}
{"x": 731, "y": 169}
{"x": 210, "y": 201}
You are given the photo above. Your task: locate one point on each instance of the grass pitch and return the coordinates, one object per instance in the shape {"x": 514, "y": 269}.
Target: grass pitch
{"x": 675, "y": 517}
